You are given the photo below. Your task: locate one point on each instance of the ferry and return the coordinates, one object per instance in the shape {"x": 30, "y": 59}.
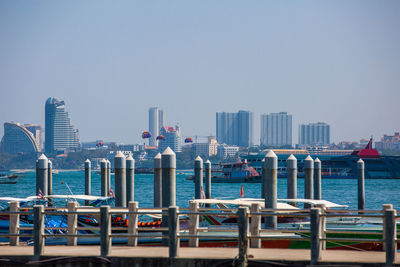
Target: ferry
{"x": 237, "y": 172}
{"x": 335, "y": 164}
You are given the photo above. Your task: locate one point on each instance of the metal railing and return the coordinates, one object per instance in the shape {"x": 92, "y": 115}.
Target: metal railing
{"x": 169, "y": 233}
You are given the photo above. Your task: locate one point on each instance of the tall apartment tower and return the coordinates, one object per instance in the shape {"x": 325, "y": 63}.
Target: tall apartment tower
{"x": 60, "y": 134}
{"x": 156, "y": 122}
{"x": 314, "y": 134}
{"x": 235, "y": 128}
{"x": 276, "y": 129}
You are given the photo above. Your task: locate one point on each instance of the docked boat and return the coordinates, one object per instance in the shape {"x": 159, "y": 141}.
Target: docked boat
{"x": 9, "y": 178}
{"x": 238, "y": 172}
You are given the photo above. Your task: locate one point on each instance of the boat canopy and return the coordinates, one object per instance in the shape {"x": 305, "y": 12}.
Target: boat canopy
{"x": 32, "y": 198}
{"x": 280, "y": 205}
{"x": 314, "y": 202}
{"x": 243, "y": 202}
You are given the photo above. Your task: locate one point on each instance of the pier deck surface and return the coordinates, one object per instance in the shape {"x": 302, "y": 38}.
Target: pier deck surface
{"x": 291, "y": 255}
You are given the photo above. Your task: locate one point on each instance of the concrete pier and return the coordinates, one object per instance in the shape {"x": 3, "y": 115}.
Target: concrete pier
{"x": 270, "y": 180}
{"x": 207, "y": 168}
{"x": 49, "y": 178}
{"x": 360, "y": 184}
{"x": 317, "y": 179}
{"x": 198, "y": 177}
{"x": 120, "y": 179}
{"x": 103, "y": 178}
{"x": 108, "y": 176}
{"x": 291, "y": 164}
{"x": 308, "y": 179}
{"x": 157, "y": 181}
{"x": 168, "y": 165}
{"x": 42, "y": 165}
{"x": 130, "y": 179}
{"x": 88, "y": 179}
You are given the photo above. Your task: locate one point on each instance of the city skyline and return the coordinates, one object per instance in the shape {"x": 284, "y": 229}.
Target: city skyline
{"x": 336, "y": 62}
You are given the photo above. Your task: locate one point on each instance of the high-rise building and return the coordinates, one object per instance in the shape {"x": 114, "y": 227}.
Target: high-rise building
{"x": 156, "y": 122}
{"x": 60, "y": 134}
{"x": 235, "y": 128}
{"x": 18, "y": 139}
{"x": 36, "y": 130}
{"x": 172, "y": 138}
{"x": 276, "y": 129}
{"x": 314, "y": 134}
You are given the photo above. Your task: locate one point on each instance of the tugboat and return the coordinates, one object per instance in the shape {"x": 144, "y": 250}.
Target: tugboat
{"x": 239, "y": 172}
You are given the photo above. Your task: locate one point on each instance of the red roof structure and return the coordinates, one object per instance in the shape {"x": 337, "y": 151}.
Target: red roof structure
{"x": 367, "y": 152}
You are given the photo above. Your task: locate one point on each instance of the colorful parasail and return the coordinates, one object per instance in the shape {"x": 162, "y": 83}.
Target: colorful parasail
{"x": 188, "y": 140}
{"x": 99, "y": 143}
{"x": 161, "y": 137}
{"x": 146, "y": 134}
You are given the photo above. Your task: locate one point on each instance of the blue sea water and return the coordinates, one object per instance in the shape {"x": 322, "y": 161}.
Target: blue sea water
{"x": 341, "y": 191}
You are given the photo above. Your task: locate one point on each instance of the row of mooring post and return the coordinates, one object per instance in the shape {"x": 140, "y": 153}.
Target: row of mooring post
{"x": 312, "y": 179}
{"x": 312, "y": 182}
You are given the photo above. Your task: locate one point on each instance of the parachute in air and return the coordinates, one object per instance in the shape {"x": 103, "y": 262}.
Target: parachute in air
{"x": 188, "y": 140}
{"x": 146, "y": 134}
{"x": 161, "y": 137}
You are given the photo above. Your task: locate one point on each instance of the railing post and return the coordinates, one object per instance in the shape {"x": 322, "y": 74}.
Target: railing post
{"x": 255, "y": 226}
{"x": 72, "y": 223}
{"x": 323, "y": 225}
{"x": 14, "y": 224}
{"x": 315, "y": 235}
{"x": 38, "y": 231}
{"x": 384, "y": 208}
{"x": 173, "y": 228}
{"x": 390, "y": 237}
{"x": 193, "y": 224}
{"x": 243, "y": 222}
{"x": 132, "y": 223}
{"x": 105, "y": 230}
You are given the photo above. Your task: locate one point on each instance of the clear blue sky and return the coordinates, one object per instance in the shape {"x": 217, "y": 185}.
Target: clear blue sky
{"x": 331, "y": 61}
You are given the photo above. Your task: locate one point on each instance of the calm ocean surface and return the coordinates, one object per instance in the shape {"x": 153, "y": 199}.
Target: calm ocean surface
{"x": 341, "y": 191}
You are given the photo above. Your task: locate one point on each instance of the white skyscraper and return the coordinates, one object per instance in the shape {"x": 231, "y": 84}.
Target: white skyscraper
{"x": 235, "y": 128}
{"x": 314, "y": 134}
{"x": 156, "y": 122}
{"x": 276, "y": 129}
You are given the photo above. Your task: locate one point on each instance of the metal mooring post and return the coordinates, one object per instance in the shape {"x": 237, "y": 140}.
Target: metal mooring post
{"x": 173, "y": 228}
{"x": 315, "y": 235}
{"x": 390, "y": 237}
{"x": 105, "y": 230}
{"x": 38, "y": 231}
{"x": 243, "y": 234}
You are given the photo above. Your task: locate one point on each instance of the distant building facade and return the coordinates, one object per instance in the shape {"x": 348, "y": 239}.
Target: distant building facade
{"x": 314, "y": 134}
{"x": 172, "y": 138}
{"x": 227, "y": 151}
{"x": 156, "y": 123}
{"x": 18, "y": 139}
{"x": 206, "y": 149}
{"x": 389, "y": 142}
{"x": 36, "y": 130}
{"x": 60, "y": 134}
{"x": 235, "y": 128}
{"x": 276, "y": 129}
